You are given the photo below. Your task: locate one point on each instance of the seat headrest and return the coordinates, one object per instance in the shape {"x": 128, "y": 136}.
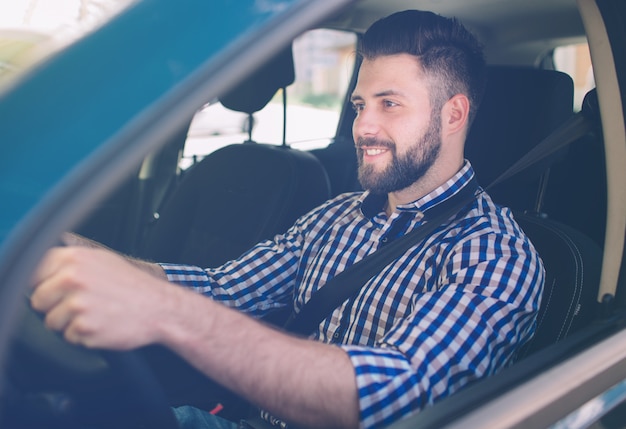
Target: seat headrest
{"x": 257, "y": 90}
{"x": 590, "y": 107}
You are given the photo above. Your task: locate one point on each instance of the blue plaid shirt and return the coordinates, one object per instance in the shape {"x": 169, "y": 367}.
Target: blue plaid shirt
{"x": 453, "y": 309}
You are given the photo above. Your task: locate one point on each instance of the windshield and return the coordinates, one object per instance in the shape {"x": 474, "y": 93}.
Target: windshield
{"x": 30, "y": 30}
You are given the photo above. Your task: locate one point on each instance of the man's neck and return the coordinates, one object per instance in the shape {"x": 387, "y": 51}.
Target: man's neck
{"x": 424, "y": 186}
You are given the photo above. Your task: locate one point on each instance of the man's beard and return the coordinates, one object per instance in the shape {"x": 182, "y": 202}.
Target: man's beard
{"x": 405, "y": 169}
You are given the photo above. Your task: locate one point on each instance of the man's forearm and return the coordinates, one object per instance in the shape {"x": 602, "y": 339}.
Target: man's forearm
{"x": 298, "y": 380}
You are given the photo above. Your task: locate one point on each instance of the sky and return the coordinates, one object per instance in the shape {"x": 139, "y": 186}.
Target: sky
{"x": 46, "y": 15}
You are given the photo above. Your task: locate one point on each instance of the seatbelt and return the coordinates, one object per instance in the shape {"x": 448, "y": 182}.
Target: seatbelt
{"x": 571, "y": 130}
{"x": 330, "y": 296}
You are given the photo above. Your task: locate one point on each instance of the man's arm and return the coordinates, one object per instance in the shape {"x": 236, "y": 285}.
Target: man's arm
{"x": 99, "y": 299}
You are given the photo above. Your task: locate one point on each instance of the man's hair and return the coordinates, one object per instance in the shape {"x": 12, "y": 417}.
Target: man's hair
{"x": 450, "y": 56}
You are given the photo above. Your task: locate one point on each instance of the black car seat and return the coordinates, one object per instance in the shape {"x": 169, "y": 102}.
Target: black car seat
{"x": 241, "y": 193}
{"x": 521, "y": 106}
{"x": 571, "y": 258}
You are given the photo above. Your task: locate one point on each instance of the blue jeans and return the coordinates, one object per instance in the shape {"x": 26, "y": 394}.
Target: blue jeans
{"x": 194, "y": 418}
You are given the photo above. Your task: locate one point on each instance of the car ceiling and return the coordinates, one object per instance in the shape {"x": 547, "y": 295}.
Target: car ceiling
{"x": 513, "y": 31}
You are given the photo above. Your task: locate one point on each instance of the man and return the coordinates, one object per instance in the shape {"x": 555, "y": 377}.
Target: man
{"x": 451, "y": 310}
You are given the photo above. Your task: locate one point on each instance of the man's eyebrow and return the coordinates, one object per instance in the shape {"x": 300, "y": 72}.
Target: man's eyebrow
{"x": 386, "y": 93}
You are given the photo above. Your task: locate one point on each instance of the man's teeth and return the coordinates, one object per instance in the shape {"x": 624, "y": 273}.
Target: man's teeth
{"x": 373, "y": 152}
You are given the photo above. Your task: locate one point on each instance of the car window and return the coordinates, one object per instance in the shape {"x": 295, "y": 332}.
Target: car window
{"x": 576, "y": 61}
{"x": 324, "y": 62}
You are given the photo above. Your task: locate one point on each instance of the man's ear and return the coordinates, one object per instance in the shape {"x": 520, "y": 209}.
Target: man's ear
{"x": 455, "y": 114}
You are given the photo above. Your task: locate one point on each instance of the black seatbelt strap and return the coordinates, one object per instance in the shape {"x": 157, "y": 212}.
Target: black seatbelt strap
{"x": 348, "y": 282}
{"x": 571, "y": 130}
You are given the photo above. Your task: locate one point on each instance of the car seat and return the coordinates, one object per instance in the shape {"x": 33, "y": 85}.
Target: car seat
{"x": 241, "y": 193}
{"x": 572, "y": 259}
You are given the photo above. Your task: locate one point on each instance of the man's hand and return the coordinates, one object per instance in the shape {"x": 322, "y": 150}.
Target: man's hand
{"x": 99, "y": 299}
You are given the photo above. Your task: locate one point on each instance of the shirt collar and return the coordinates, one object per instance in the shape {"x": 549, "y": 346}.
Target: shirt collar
{"x": 372, "y": 204}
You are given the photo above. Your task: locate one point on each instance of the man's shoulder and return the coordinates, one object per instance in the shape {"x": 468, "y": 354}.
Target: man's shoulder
{"x": 342, "y": 206}
{"x": 485, "y": 216}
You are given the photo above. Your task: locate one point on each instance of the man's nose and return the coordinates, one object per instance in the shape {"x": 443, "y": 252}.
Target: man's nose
{"x": 366, "y": 124}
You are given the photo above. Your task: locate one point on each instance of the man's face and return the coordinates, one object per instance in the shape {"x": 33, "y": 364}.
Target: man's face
{"x": 397, "y": 138}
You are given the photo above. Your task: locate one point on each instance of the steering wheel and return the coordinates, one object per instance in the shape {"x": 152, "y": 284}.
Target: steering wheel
{"x": 80, "y": 386}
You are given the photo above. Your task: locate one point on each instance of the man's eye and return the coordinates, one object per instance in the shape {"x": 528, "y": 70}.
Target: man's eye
{"x": 358, "y": 106}
{"x": 389, "y": 103}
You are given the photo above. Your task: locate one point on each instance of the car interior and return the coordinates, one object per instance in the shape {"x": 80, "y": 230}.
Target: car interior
{"x": 247, "y": 190}
{"x": 267, "y": 186}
